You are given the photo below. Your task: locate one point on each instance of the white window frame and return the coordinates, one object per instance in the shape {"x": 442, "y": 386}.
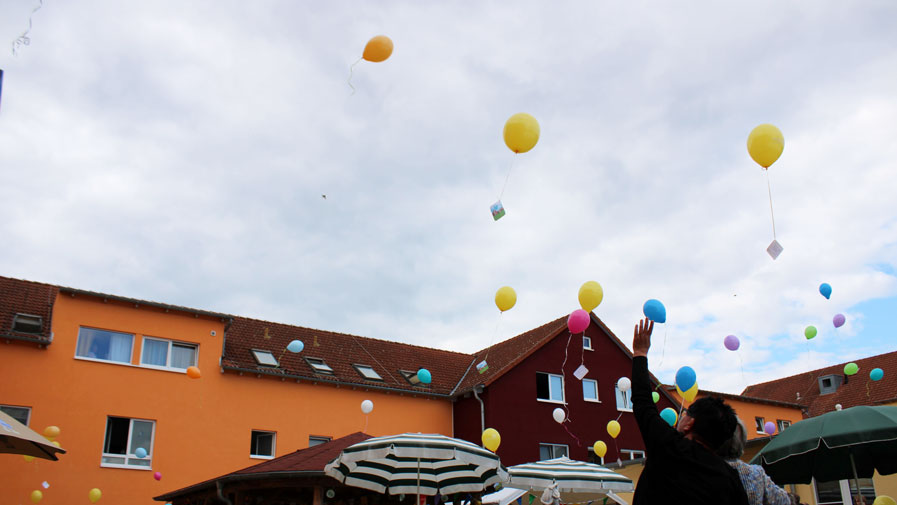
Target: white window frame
{"x": 171, "y": 344}
{"x": 367, "y": 372}
{"x": 591, "y": 451}
{"x": 318, "y": 365}
{"x": 318, "y": 439}
{"x": 261, "y": 355}
{"x": 760, "y": 423}
{"x": 550, "y": 399}
{"x": 633, "y": 453}
{"x": 100, "y": 360}
{"x": 781, "y": 424}
{"x": 28, "y": 409}
{"x": 626, "y": 397}
{"x": 127, "y": 456}
{"x": 553, "y": 449}
{"x": 587, "y": 343}
{"x": 273, "y": 444}
{"x": 597, "y": 398}
{"x": 845, "y": 486}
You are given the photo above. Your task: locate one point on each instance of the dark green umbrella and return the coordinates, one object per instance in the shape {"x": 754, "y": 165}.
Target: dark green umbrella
{"x": 843, "y": 444}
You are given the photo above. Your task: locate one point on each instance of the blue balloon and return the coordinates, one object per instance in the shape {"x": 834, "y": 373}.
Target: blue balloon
{"x": 669, "y": 415}
{"x": 655, "y": 311}
{"x": 295, "y": 346}
{"x": 140, "y": 452}
{"x": 686, "y": 378}
{"x": 876, "y": 374}
{"x": 825, "y": 290}
{"x": 424, "y": 375}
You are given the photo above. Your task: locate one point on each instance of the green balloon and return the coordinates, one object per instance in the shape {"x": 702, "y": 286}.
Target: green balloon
{"x": 851, "y": 368}
{"x": 810, "y": 332}
{"x": 655, "y": 396}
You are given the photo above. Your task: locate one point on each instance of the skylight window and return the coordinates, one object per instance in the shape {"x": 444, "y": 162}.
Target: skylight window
{"x": 368, "y": 372}
{"x": 26, "y": 323}
{"x": 318, "y": 365}
{"x": 264, "y": 358}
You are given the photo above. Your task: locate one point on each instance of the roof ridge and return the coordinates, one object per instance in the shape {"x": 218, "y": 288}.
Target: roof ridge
{"x": 834, "y": 366}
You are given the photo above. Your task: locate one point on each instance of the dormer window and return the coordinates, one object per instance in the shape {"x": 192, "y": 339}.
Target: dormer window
{"x": 264, "y": 358}
{"x": 368, "y": 372}
{"x": 27, "y": 323}
{"x": 411, "y": 377}
{"x": 318, "y": 365}
{"x": 829, "y": 384}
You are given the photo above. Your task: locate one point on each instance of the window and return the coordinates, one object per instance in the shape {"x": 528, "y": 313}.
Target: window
{"x": 590, "y": 390}
{"x": 368, "y": 372}
{"x": 262, "y": 444}
{"x": 551, "y": 451}
{"x": 313, "y": 441}
{"x": 264, "y": 358}
{"x": 549, "y": 387}
{"x": 587, "y": 343}
{"x": 594, "y": 458}
{"x": 759, "y": 422}
{"x": 318, "y": 365}
{"x": 26, "y": 323}
{"x": 837, "y": 492}
{"x": 632, "y": 453}
{"x": 782, "y": 424}
{"x": 624, "y": 401}
{"x": 20, "y": 414}
{"x": 104, "y": 345}
{"x": 829, "y": 384}
{"x": 123, "y": 437}
{"x": 167, "y": 354}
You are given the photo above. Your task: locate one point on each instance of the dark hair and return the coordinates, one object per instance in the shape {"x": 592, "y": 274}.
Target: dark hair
{"x": 714, "y": 420}
{"x": 734, "y": 447}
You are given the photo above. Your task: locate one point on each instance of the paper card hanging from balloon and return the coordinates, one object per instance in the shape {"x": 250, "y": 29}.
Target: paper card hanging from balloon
{"x": 498, "y": 210}
{"x": 580, "y": 372}
{"x": 774, "y": 249}
{"x": 482, "y": 366}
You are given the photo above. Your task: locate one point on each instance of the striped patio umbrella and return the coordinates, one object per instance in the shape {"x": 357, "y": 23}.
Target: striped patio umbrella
{"x": 417, "y": 463}
{"x": 577, "y": 481}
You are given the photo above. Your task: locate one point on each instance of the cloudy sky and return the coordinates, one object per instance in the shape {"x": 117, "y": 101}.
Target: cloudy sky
{"x": 178, "y": 152}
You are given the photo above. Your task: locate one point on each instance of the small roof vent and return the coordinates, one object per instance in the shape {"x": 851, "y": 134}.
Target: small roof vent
{"x": 27, "y": 323}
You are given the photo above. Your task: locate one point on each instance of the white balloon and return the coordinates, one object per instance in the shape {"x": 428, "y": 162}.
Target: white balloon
{"x": 559, "y": 415}
{"x": 624, "y": 384}
{"x": 367, "y": 406}
{"x": 837, "y": 406}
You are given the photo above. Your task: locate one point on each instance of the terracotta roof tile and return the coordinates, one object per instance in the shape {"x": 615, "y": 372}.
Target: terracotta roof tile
{"x": 26, "y": 297}
{"x": 859, "y": 389}
{"x": 340, "y": 351}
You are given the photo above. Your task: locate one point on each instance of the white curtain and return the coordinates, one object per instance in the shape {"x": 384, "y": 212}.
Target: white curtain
{"x": 155, "y": 352}
{"x": 120, "y": 347}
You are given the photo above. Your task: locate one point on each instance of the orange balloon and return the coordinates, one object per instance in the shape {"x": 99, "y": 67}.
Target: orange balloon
{"x": 193, "y": 372}
{"x": 378, "y": 49}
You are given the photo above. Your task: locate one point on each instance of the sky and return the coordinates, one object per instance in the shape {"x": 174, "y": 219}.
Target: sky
{"x": 179, "y": 152}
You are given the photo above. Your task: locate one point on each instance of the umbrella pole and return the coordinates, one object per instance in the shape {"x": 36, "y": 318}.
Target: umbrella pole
{"x": 856, "y": 479}
{"x": 418, "y": 479}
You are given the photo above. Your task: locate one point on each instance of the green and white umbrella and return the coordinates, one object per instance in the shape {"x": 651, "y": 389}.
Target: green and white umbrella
{"x": 417, "y": 463}
{"x": 577, "y": 481}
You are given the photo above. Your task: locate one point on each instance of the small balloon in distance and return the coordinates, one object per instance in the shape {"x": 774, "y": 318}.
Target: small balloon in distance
{"x": 378, "y": 49}
{"x": 36, "y": 496}
{"x": 505, "y": 298}
{"x": 193, "y": 372}
{"x": 424, "y": 376}
{"x": 491, "y": 439}
{"x": 600, "y": 448}
{"x": 51, "y": 432}
{"x": 769, "y": 428}
{"x": 559, "y": 415}
{"x": 765, "y": 144}
{"x": 825, "y": 290}
{"x": 140, "y": 452}
{"x": 94, "y": 495}
{"x": 839, "y": 320}
{"x": 624, "y": 384}
{"x": 669, "y": 415}
{"x": 731, "y": 342}
{"x": 578, "y": 321}
{"x": 157, "y": 475}
{"x": 810, "y": 332}
{"x": 884, "y": 499}
{"x": 590, "y": 296}
{"x": 613, "y": 428}
{"x": 876, "y": 374}
{"x": 521, "y": 132}
{"x": 851, "y": 369}
{"x": 655, "y": 396}
{"x": 686, "y": 378}
{"x": 655, "y": 311}
{"x": 367, "y": 406}
{"x": 295, "y": 346}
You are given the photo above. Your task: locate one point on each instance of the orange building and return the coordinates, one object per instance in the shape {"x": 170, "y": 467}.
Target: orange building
{"x": 111, "y": 373}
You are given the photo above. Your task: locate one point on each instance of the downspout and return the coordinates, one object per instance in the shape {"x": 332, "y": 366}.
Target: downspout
{"x": 220, "y": 494}
{"x": 476, "y": 389}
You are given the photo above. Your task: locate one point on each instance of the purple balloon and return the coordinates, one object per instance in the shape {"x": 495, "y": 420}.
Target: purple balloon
{"x": 769, "y": 428}
{"x": 731, "y": 342}
{"x": 838, "y": 320}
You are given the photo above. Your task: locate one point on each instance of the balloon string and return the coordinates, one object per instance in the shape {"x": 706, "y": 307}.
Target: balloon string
{"x": 349, "y": 80}
{"x": 365, "y": 430}
{"x": 771, "y": 213}
{"x": 507, "y": 177}
{"x": 23, "y": 39}
{"x": 867, "y": 390}
{"x": 564, "y": 424}
{"x": 664, "y": 347}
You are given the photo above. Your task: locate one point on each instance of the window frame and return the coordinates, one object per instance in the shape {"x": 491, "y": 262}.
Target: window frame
{"x": 626, "y": 397}
{"x": 633, "y": 453}
{"x": 846, "y": 488}
{"x": 26, "y": 319}
{"x": 310, "y": 361}
{"x": 273, "y": 444}
{"x": 101, "y": 360}
{"x": 259, "y": 361}
{"x": 586, "y": 338}
{"x": 360, "y": 369}
{"x": 550, "y": 399}
{"x": 28, "y": 409}
{"x": 760, "y": 423}
{"x": 597, "y": 398}
{"x": 128, "y": 456}
{"x": 782, "y": 424}
{"x": 171, "y": 344}
{"x": 319, "y": 439}
{"x": 594, "y": 458}
{"x": 835, "y": 382}
{"x": 553, "y": 447}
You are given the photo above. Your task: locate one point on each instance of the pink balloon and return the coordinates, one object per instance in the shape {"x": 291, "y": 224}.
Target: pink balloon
{"x": 731, "y": 342}
{"x": 578, "y": 321}
{"x": 838, "y": 320}
{"x": 157, "y": 475}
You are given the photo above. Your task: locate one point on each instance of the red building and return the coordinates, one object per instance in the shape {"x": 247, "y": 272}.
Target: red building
{"x": 532, "y": 374}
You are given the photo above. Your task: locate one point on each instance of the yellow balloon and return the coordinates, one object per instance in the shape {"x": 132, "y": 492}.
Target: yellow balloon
{"x": 521, "y": 132}
{"x": 884, "y": 500}
{"x": 378, "y": 49}
{"x": 28, "y": 458}
{"x": 765, "y": 144}
{"x": 590, "y": 296}
{"x": 600, "y": 448}
{"x": 56, "y": 443}
{"x": 51, "y": 432}
{"x": 505, "y": 298}
{"x": 689, "y": 395}
{"x": 94, "y": 495}
{"x": 491, "y": 439}
{"x": 36, "y": 496}
{"x": 613, "y": 429}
